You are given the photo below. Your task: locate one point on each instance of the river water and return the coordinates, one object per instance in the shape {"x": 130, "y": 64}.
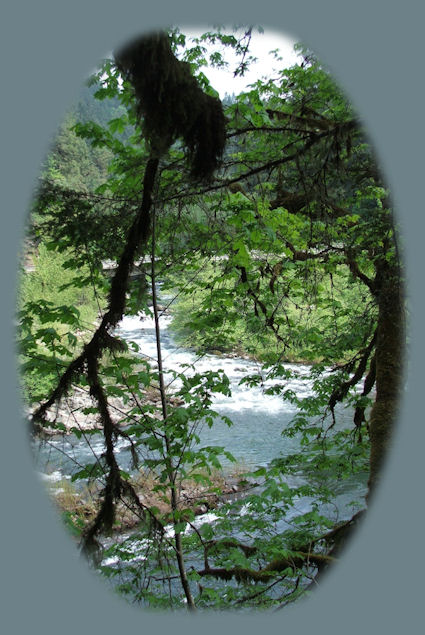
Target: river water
{"x": 258, "y": 419}
{"x": 254, "y": 439}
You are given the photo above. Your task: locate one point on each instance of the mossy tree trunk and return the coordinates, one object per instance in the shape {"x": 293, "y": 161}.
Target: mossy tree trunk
{"x": 389, "y": 366}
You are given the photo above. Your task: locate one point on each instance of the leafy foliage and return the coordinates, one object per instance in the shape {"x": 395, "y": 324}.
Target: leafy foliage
{"x": 282, "y": 247}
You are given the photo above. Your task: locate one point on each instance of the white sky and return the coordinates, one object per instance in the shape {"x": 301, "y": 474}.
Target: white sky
{"x": 222, "y": 79}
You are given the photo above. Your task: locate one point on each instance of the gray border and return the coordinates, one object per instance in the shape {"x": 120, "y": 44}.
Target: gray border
{"x": 375, "y": 50}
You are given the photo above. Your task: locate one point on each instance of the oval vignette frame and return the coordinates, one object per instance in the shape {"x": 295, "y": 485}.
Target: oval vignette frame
{"x": 354, "y": 592}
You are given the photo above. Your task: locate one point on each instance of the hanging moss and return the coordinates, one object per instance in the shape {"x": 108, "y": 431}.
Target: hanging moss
{"x": 172, "y": 105}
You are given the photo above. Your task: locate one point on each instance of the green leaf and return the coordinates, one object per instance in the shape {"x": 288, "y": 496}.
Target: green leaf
{"x": 179, "y": 528}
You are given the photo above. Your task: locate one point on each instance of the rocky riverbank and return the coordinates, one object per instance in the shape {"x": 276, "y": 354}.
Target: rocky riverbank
{"x": 78, "y": 509}
{"x": 77, "y": 412}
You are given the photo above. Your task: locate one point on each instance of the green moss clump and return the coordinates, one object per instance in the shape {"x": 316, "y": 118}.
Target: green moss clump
{"x": 172, "y": 105}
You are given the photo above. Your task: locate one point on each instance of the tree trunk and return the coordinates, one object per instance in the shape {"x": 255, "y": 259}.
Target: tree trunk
{"x": 170, "y": 467}
{"x": 389, "y": 366}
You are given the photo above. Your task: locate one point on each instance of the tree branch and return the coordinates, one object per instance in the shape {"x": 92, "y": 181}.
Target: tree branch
{"x": 244, "y": 574}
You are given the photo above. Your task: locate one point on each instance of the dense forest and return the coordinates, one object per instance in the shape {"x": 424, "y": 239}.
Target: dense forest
{"x": 256, "y": 231}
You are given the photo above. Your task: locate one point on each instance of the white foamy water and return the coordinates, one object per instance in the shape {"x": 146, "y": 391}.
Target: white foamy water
{"x": 141, "y": 330}
{"x": 254, "y": 439}
{"x": 53, "y": 477}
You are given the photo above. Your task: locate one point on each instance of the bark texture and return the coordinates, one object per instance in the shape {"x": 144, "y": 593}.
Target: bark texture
{"x": 389, "y": 359}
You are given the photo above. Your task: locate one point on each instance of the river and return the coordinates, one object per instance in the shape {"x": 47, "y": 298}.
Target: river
{"x": 258, "y": 418}
{"x": 254, "y": 439}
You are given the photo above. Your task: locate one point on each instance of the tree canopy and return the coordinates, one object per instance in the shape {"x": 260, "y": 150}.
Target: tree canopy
{"x": 266, "y": 218}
